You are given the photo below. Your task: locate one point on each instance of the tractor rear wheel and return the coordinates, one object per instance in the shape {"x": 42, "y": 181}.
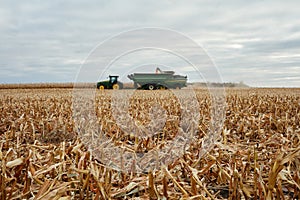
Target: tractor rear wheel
{"x": 116, "y": 86}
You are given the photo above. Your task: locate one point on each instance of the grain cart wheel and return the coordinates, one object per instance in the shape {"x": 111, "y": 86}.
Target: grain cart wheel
{"x": 116, "y": 86}
{"x": 151, "y": 87}
{"x": 101, "y": 87}
{"x": 162, "y": 87}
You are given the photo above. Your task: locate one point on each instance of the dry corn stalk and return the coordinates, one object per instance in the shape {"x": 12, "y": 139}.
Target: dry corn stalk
{"x": 42, "y": 157}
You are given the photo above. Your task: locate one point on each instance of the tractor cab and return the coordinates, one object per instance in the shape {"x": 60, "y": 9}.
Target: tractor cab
{"x": 111, "y": 83}
{"x": 113, "y": 79}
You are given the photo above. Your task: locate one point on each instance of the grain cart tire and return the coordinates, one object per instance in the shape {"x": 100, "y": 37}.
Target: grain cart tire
{"x": 177, "y": 87}
{"x": 151, "y": 87}
{"x": 116, "y": 86}
{"x": 161, "y": 87}
{"x": 101, "y": 87}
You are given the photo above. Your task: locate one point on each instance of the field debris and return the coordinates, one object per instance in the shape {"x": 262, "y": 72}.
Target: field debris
{"x": 256, "y": 157}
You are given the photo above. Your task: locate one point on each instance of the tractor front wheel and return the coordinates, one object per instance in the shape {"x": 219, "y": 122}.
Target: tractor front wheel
{"x": 101, "y": 87}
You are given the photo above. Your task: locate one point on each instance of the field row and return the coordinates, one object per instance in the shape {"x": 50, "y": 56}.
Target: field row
{"x": 52, "y": 146}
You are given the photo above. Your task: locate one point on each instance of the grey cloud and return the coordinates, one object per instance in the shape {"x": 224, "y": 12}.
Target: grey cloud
{"x": 48, "y": 40}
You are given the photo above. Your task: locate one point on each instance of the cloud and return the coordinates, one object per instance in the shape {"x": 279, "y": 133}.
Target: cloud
{"x": 249, "y": 41}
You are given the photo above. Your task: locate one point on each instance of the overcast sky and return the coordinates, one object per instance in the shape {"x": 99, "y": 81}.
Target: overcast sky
{"x": 257, "y": 42}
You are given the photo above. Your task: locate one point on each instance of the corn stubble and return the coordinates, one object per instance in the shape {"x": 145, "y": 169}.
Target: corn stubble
{"x": 256, "y": 157}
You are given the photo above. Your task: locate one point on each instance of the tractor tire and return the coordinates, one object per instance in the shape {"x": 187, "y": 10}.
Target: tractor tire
{"x": 116, "y": 86}
{"x": 101, "y": 87}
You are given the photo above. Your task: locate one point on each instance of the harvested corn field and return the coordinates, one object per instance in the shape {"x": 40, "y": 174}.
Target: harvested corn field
{"x": 257, "y": 155}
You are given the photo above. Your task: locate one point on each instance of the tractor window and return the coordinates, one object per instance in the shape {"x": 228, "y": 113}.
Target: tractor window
{"x": 113, "y": 79}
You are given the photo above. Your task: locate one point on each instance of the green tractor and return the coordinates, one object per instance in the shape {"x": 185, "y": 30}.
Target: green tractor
{"x": 112, "y": 83}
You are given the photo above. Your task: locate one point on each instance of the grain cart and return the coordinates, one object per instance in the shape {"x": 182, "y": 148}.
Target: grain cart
{"x": 112, "y": 83}
{"x": 158, "y": 80}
